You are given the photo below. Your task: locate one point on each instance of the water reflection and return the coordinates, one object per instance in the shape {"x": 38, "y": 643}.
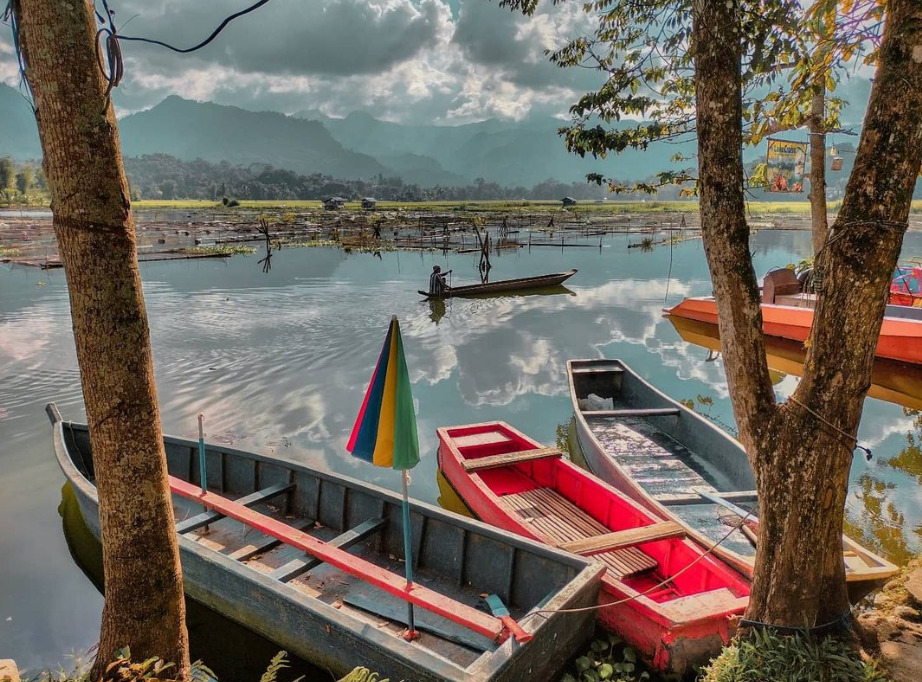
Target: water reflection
{"x": 279, "y": 362}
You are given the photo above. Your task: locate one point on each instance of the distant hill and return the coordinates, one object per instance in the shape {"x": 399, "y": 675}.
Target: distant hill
{"x": 19, "y": 136}
{"x": 212, "y": 132}
{"x": 508, "y": 152}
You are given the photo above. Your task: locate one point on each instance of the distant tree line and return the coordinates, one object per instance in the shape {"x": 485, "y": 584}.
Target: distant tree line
{"x": 161, "y": 176}
{"x": 19, "y": 181}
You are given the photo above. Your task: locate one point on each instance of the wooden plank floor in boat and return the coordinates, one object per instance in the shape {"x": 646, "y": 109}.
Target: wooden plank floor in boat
{"x": 558, "y": 520}
{"x": 662, "y": 466}
{"x": 332, "y": 586}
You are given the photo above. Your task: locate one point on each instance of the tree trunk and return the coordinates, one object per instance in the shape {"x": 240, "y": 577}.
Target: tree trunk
{"x": 801, "y": 452}
{"x": 817, "y": 127}
{"x": 144, "y": 607}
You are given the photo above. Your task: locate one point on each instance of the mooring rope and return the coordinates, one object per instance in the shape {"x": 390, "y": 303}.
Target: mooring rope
{"x": 867, "y": 452}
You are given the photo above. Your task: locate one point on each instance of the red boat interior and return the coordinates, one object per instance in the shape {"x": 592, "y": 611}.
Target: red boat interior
{"x": 571, "y": 509}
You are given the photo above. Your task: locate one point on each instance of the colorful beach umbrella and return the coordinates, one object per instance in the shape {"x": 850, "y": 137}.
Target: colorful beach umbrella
{"x": 385, "y": 431}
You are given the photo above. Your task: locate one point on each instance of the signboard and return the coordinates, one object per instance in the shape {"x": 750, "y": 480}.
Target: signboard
{"x": 785, "y": 167}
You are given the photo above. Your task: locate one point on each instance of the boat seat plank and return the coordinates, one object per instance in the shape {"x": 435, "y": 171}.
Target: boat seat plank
{"x": 486, "y": 438}
{"x": 597, "y": 369}
{"x": 369, "y": 572}
{"x": 625, "y": 538}
{"x": 558, "y": 521}
{"x": 297, "y": 567}
{"x": 266, "y": 543}
{"x": 508, "y": 458}
{"x": 735, "y": 496}
{"x": 644, "y": 412}
{"x": 203, "y": 519}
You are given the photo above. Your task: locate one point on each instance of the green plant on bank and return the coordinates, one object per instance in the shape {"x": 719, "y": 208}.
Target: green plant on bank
{"x": 9, "y": 252}
{"x": 363, "y": 675}
{"x": 764, "y": 656}
{"x": 606, "y": 659}
{"x": 123, "y": 669}
{"x": 219, "y": 249}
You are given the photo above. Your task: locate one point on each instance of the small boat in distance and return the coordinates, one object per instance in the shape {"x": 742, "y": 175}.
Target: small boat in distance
{"x": 511, "y": 286}
{"x": 308, "y": 560}
{"x": 661, "y": 591}
{"x": 787, "y": 313}
{"x": 680, "y": 466}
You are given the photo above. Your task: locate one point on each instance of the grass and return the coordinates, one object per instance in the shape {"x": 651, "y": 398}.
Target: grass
{"x": 764, "y": 655}
{"x": 219, "y": 249}
{"x": 9, "y": 252}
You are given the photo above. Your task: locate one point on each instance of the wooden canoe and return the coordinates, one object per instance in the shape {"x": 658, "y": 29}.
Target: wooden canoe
{"x": 307, "y": 560}
{"x": 661, "y": 591}
{"x": 900, "y": 334}
{"x": 505, "y": 285}
{"x": 661, "y": 454}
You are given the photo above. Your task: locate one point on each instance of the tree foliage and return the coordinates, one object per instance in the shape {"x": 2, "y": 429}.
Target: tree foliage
{"x": 641, "y": 50}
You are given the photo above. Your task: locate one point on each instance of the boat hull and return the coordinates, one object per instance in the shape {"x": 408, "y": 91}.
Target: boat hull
{"x": 718, "y": 451}
{"x": 505, "y": 286}
{"x": 670, "y": 644}
{"x": 327, "y": 636}
{"x": 900, "y": 338}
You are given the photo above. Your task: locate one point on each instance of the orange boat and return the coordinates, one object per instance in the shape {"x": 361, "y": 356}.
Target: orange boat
{"x": 788, "y": 314}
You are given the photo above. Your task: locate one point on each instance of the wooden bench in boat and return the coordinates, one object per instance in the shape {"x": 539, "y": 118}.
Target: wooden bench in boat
{"x": 645, "y": 412}
{"x": 250, "y": 500}
{"x": 368, "y": 572}
{"x": 297, "y": 567}
{"x": 597, "y": 369}
{"x": 625, "y": 538}
{"x": 507, "y": 458}
{"x": 559, "y": 521}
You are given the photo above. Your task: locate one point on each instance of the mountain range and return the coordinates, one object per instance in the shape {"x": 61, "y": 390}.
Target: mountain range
{"x": 511, "y": 153}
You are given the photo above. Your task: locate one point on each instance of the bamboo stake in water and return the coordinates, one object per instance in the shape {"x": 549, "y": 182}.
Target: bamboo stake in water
{"x": 201, "y": 453}
{"x": 408, "y": 554}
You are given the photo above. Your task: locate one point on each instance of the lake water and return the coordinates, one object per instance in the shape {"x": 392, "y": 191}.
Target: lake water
{"x": 278, "y": 363}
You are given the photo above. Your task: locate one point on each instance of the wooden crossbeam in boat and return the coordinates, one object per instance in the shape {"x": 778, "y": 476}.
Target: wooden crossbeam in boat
{"x": 597, "y": 369}
{"x": 625, "y": 538}
{"x": 207, "y": 517}
{"x": 297, "y": 567}
{"x": 372, "y": 574}
{"x": 735, "y": 496}
{"x": 266, "y": 543}
{"x": 508, "y": 458}
{"x": 645, "y": 412}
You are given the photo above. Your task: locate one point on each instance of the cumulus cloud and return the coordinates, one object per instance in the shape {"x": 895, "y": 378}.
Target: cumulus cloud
{"x": 441, "y": 61}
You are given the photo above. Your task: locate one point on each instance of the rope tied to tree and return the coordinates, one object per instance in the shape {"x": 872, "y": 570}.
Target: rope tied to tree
{"x": 843, "y": 621}
{"x": 867, "y": 452}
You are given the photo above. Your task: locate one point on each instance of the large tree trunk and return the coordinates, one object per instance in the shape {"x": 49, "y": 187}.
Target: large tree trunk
{"x": 144, "y": 607}
{"x": 801, "y": 452}
{"x": 817, "y": 127}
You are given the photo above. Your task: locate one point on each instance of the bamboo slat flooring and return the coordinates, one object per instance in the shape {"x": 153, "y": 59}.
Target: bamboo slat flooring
{"x": 559, "y": 521}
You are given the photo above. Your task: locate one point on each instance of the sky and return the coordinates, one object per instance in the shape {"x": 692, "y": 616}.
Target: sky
{"x": 414, "y": 61}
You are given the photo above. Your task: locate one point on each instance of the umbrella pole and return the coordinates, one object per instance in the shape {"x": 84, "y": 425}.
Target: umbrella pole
{"x": 411, "y": 633}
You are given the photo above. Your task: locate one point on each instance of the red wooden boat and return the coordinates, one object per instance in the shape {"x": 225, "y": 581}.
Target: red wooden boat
{"x": 789, "y": 315}
{"x": 663, "y": 593}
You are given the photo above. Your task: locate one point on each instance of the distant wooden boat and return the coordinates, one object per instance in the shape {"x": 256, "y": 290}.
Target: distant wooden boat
{"x": 663, "y": 593}
{"x": 505, "y": 285}
{"x": 680, "y": 466}
{"x": 307, "y": 559}
{"x": 895, "y": 382}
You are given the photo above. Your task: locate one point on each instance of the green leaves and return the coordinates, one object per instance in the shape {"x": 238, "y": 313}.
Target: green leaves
{"x": 606, "y": 659}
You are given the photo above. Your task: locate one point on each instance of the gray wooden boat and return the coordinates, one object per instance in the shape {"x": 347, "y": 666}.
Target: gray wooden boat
{"x": 680, "y": 466}
{"x": 331, "y": 612}
{"x": 505, "y": 286}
